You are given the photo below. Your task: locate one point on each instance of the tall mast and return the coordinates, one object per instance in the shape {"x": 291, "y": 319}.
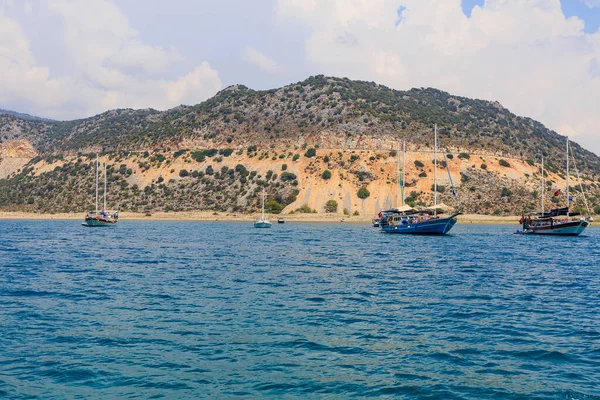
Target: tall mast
{"x": 403, "y": 168}
{"x": 263, "y": 205}
{"x": 543, "y": 185}
{"x": 567, "y": 180}
{"x": 96, "y": 182}
{"x": 435, "y": 170}
{"x": 104, "y": 186}
{"x": 397, "y": 175}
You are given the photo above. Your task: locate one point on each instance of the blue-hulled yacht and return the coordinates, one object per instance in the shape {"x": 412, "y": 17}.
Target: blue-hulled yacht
{"x": 407, "y": 220}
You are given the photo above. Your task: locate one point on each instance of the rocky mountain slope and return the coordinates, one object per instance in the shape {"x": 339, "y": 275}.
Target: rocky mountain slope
{"x": 309, "y": 143}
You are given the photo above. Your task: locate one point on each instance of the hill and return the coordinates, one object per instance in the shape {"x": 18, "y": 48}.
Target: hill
{"x": 24, "y": 116}
{"x": 159, "y": 160}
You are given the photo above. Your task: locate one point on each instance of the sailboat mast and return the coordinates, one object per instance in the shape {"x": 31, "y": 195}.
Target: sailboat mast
{"x": 403, "y": 168}
{"x": 397, "y": 175}
{"x": 567, "y": 180}
{"x": 96, "y": 183}
{"x": 435, "y": 170}
{"x": 263, "y": 205}
{"x": 104, "y": 186}
{"x": 543, "y": 185}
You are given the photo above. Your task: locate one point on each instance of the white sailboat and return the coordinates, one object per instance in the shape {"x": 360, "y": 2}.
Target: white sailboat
{"x": 262, "y": 222}
{"x": 557, "y": 221}
{"x": 101, "y": 217}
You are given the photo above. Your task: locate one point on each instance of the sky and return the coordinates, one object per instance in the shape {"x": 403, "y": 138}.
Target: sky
{"x": 67, "y": 59}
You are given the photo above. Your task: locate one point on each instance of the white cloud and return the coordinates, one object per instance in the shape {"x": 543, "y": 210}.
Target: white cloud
{"x": 112, "y": 66}
{"x": 20, "y": 77}
{"x": 185, "y": 90}
{"x": 98, "y": 31}
{"x": 255, "y": 57}
{"x": 591, "y": 3}
{"x": 524, "y": 53}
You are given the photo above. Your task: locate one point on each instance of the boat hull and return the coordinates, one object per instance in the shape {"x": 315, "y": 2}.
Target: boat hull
{"x": 438, "y": 226}
{"x": 262, "y": 224}
{"x": 573, "y": 228}
{"x": 94, "y": 222}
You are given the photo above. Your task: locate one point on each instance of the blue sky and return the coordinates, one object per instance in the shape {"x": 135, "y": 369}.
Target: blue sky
{"x": 74, "y": 58}
{"x": 467, "y": 6}
{"x": 577, "y": 8}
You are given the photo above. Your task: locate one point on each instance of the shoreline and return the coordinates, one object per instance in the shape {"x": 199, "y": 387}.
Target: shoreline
{"x": 232, "y": 217}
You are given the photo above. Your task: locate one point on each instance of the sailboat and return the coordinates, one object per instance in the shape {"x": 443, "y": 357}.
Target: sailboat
{"x": 558, "y": 221}
{"x": 262, "y": 222}
{"x": 407, "y": 220}
{"x": 101, "y": 217}
{"x": 381, "y": 218}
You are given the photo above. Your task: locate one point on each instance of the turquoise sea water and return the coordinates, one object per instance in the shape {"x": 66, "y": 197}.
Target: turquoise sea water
{"x": 222, "y": 310}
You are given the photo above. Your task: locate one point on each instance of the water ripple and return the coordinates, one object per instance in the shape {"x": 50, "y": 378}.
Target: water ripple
{"x": 221, "y": 310}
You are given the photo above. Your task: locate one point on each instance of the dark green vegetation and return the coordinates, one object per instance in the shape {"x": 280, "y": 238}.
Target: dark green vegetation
{"x": 363, "y": 193}
{"x": 331, "y": 206}
{"x": 287, "y": 124}
{"x": 344, "y": 107}
{"x": 71, "y": 187}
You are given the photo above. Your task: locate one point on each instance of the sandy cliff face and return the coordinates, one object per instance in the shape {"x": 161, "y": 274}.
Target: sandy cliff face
{"x": 14, "y": 155}
{"x": 140, "y": 182}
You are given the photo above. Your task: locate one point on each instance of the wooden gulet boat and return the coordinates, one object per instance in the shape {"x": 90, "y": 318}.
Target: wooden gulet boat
{"x": 406, "y": 220}
{"x": 101, "y": 218}
{"x": 558, "y": 221}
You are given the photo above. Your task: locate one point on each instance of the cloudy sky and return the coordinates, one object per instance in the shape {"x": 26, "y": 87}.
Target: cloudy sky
{"x": 67, "y": 59}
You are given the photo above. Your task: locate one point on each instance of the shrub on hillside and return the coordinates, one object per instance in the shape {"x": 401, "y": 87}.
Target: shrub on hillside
{"x": 287, "y": 176}
{"x": 273, "y": 207}
{"x": 331, "y": 206}
{"x": 363, "y": 193}
{"x": 440, "y": 188}
{"x": 305, "y": 209}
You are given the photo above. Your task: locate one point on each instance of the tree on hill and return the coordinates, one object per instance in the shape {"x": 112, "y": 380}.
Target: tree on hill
{"x": 273, "y": 207}
{"x": 310, "y": 153}
{"x": 331, "y": 206}
{"x": 363, "y": 193}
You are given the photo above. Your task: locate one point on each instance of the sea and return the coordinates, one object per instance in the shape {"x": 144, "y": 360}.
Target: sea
{"x": 219, "y": 310}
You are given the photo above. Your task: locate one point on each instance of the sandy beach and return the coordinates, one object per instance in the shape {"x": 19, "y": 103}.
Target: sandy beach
{"x": 212, "y": 216}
